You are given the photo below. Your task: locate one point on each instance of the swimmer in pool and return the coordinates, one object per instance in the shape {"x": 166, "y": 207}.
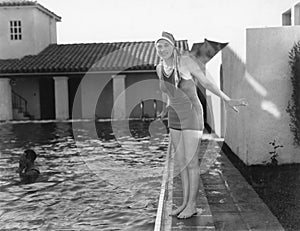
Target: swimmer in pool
{"x": 27, "y": 170}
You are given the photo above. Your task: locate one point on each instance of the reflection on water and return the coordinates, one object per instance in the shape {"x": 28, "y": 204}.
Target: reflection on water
{"x": 88, "y": 182}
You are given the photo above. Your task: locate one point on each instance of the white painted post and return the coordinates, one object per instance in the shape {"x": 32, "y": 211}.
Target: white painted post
{"x": 5, "y": 100}
{"x": 61, "y": 97}
{"x": 119, "y": 106}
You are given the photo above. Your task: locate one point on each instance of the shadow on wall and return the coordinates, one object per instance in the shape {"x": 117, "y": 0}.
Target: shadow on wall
{"x": 202, "y": 53}
{"x": 237, "y": 83}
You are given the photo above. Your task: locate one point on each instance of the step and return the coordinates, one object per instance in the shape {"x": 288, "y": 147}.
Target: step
{"x": 17, "y": 115}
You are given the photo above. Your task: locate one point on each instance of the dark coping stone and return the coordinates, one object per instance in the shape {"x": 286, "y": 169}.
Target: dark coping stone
{"x": 199, "y": 228}
{"x": 228, "y": 221}
{"x": 202, "y": 220}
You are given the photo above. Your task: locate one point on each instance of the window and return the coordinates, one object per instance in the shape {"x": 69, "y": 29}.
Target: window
{"x": 15, "y": 30}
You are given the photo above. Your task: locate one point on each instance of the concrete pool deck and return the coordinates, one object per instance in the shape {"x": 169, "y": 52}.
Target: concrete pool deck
{"x": 226, "y": 201}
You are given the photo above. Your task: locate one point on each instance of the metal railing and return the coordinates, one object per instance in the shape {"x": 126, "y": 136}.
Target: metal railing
{"x": 19, "y": 102}
{"x": 142, "y": 108}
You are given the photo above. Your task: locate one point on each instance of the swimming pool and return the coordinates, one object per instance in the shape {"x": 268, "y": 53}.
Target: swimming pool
{"x": 87, "y": 182}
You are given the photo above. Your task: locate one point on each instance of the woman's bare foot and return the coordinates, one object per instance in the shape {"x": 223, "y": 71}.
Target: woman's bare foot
{"x": 178, "y": 210}
{"x": 188, "y": 212}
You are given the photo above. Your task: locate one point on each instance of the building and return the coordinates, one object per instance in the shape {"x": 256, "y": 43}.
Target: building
{"x": 264, "y": 80}
{"x": 40, "y": 79}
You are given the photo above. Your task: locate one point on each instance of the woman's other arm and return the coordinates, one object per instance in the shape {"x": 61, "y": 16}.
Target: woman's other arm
{"x": 165, "y": 97}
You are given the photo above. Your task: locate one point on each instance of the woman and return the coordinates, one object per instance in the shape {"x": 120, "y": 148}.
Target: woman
{"x": 178, "y": 74}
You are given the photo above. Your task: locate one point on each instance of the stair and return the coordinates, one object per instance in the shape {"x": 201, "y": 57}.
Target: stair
{"x": 20, "y": 111}
{"x": 20, "y": 115}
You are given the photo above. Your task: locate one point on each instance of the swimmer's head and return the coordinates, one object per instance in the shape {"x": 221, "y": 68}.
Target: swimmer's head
{"x": 30, "y": 155}
{"x": 26, "y": 159}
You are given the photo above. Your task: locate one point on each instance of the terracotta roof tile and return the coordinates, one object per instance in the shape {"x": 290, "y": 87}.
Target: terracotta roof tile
{"x": 18, "y": 3}
{"x": 119, "y": 56}
{"x": 28, "y": 3}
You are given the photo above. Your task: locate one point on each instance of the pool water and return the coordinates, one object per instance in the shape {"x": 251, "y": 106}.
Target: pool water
{"x": 87, "y": 182}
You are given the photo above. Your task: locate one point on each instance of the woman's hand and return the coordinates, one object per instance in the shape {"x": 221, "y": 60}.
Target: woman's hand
{"x": 235, "y": 103}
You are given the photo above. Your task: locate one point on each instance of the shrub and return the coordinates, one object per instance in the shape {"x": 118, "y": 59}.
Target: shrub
{"x": 294, "y": 103}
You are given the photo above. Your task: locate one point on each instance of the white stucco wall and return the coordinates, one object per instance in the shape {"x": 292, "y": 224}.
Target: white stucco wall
{"x": 213, "y": 106}
{"x": 235, "y": 133}
{"x": 38, "y": 31}
{"x": 266, "y": 85}
{"x": 45, "y": 32}
{"x": 6, "y": 112}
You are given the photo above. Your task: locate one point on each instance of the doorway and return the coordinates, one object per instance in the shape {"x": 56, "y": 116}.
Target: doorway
{"x": 47, "y": 98}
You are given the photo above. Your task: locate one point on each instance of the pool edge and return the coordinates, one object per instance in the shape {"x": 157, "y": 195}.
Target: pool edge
{"x": 165, "y": 198}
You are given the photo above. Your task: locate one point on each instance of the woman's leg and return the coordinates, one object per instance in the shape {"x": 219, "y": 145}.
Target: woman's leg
{"x": 177, "y": 142}
{"x": 192, "y": 140}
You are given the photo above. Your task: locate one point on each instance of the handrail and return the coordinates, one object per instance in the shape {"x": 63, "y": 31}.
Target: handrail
{"x": 142, "y": 107}
{"x": 19, "y": 102}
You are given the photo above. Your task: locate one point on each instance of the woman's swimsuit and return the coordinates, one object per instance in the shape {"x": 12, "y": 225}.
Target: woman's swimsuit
{"x": 185, "y": 110}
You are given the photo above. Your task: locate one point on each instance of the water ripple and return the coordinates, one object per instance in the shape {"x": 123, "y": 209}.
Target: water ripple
{"x": 87, "y": 184}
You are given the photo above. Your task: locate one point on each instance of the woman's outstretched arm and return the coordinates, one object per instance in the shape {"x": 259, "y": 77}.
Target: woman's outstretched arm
{"x": 209, "y": 85}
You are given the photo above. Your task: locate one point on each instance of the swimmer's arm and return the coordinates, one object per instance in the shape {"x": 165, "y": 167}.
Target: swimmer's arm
{"x": 196, "y": 71}
{"x": 21, "y": 174}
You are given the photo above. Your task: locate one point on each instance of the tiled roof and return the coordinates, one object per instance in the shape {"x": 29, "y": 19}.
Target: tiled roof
{"x": 118, "y": 56}
{"x": 18, "y": 3}
{"x": 13, "y": 3}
